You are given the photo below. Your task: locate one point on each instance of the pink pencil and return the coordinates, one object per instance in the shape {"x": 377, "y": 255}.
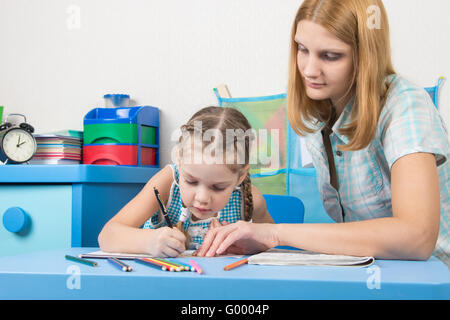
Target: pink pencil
{"x": 196, "y": 266}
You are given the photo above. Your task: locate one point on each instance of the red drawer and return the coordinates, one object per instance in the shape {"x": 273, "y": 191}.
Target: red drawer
{"x": 118, "y": 155}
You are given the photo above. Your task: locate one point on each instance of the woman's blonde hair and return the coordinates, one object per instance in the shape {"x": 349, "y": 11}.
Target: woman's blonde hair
{"x": 349, "y": 21}
{"x": 224, "y": 120}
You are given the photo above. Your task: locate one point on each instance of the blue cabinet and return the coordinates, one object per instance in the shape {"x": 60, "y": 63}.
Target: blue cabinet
{"x": 46, "y": 207}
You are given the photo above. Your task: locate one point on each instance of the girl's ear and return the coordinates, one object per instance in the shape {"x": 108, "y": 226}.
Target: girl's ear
{"x": 243, "y": 174}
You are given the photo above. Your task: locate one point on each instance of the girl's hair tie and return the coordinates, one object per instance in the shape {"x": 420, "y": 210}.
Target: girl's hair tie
{"x": 185, "y": 213}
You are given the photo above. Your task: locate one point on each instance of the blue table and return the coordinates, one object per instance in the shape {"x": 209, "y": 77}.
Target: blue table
{"x": 47, "y": 275}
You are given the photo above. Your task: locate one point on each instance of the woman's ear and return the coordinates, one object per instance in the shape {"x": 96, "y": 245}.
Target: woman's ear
{"x": 243, "y": 174}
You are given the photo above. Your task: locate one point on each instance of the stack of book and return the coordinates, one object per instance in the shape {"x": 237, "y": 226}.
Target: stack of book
{"x": 63, "y": 147}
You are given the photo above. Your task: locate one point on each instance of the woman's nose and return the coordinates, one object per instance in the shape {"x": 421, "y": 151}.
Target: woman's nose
{"x": 311, "y": 67}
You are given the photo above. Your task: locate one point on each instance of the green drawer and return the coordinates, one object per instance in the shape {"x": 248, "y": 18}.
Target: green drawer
{"x": 118, "y": 133}
{"x": 148, "y": 135}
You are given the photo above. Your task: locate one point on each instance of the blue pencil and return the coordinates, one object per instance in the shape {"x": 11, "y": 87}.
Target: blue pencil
{"x": 119, "y": 264}
{"x": 185, "y": 265}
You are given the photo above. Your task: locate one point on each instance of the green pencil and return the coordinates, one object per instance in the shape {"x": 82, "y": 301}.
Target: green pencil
{"x": 80, "y": 260}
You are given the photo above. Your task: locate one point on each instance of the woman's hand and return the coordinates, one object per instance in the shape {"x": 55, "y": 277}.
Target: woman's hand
{"x": 238, "y": 238}
{"x": 166, "y": 242}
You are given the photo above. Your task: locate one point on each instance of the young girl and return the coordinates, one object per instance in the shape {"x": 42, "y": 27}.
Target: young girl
{"x": 210, "y": 183}
{"x": 377, "y": 142}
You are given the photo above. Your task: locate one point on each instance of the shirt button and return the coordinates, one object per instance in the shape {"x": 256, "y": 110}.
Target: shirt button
{"x": 339, "y": 153}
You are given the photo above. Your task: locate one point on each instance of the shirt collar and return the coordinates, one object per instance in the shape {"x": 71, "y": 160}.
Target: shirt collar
{"x": 343, "y": 120}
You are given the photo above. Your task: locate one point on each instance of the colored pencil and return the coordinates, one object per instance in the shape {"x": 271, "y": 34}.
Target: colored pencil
{"x": 169, "y": 267}
{"x": 162, "y": 207}
{"x": 175, "y": 265}
{"x": 235, "y": 264}
{"x": 150, "y": 264}
{"x": 159, "y": 263}
{"x": 81, "y": 260}
{"x": 185, "y": 265}
{"x": 121, "y": 265}
{"x": 196, "y": 266}
{"x": 129, "y": 268}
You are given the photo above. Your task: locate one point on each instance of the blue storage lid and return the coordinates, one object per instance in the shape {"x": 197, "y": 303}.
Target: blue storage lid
{"x": 112, "y": 95}
{"x": 116, "y": 100}
{"x": 143, "y": 115}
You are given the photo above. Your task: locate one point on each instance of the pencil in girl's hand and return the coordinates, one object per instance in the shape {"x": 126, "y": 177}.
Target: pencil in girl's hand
{"x": 162, "y": 207}
{"x": 235, "y": 264}
{"x": 81, "y": 260}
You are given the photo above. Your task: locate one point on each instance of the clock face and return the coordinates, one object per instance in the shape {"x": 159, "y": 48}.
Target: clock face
{"x": 18, "y": 145}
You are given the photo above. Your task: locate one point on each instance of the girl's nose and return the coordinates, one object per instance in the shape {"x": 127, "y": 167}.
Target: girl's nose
{"x": 202, "y": 195}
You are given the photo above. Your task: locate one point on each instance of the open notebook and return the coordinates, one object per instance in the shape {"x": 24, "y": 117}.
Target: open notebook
{"x": 284, "y": 257}
{"x": 278, "y": 257}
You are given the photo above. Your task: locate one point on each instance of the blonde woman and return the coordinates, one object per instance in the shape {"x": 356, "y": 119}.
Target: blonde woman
{"x": 378, "y": 143}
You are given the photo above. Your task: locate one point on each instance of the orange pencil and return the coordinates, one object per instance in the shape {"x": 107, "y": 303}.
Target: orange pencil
{"x": 235, "y": 264}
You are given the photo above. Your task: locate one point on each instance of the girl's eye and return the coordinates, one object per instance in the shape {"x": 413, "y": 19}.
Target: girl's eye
{"x": 191, "y": 182}
{"x": 218, "y": 189}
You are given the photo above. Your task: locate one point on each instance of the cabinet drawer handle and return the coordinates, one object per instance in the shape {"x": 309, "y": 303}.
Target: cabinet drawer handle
{"x": 15, "y": 220}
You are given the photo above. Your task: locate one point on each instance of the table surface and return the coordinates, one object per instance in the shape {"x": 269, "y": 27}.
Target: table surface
{"x": 48, "y": 275}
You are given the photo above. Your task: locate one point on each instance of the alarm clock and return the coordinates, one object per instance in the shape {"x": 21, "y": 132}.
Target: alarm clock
{"x": 17, "y": 143}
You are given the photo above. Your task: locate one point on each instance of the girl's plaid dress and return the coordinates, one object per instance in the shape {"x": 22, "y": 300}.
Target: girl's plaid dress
{"x": 232, "y": 212}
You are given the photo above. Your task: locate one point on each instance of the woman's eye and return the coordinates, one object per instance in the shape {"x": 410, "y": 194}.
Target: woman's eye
{"x": 301, "y": 48}
{"x": 331, "y": 56}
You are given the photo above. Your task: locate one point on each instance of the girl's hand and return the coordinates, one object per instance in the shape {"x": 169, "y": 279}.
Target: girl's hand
{"x": 166, "y": 242}
{"x": 215, "y": 223}
{"x": 238, "y": 238}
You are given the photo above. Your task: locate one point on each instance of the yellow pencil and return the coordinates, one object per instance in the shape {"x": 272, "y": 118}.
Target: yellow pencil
{"x": 169, "y": 266}
{"x": 170, "y": 263}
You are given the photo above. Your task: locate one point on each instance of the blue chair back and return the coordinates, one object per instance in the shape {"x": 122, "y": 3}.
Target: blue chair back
{"x": 434, "y": 92}
{"x": 285, "y": 209}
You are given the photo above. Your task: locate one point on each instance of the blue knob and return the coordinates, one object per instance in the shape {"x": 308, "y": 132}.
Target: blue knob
{"x": 15, "y": 219}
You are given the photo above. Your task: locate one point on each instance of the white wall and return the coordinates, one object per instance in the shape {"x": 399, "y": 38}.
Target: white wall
{"x": 170, "y": 54}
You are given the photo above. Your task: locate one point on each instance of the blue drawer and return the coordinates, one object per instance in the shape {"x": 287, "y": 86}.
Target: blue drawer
{"x": 66, "y": 206}
{"x": 48, "y": 209}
